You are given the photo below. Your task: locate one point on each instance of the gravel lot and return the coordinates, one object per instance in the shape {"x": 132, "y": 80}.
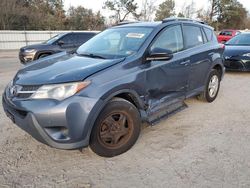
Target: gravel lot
{"x": 206, "y": 145}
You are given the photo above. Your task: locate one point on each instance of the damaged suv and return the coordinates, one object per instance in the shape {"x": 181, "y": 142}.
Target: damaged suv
{"x": 126, "y": 75}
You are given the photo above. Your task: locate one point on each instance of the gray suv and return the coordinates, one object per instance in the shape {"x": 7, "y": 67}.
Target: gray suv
{"x": 126, "y": 75}
{"x": 61, "y": 42}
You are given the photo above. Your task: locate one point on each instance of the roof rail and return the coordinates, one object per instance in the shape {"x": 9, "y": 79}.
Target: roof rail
{"x": 126, "y": 22}
{"x": 171, "y": 19}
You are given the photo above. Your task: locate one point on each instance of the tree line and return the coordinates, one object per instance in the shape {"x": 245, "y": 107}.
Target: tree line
{"x": 50, "y": 14}
{"x": 47, "y": 15}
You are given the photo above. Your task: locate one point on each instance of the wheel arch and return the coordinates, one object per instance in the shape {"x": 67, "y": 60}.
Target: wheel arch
{"x": 39, "y": 53}
{"x": 126, "y": 94}
{"x": 129, "y": 95}
{"x": 220, "y": 69}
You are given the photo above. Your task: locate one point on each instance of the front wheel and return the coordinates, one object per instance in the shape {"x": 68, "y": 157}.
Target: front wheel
{"x": 43, "y": 55}
{"x": 116, "y": 128}
{"x": 212, "y": 87}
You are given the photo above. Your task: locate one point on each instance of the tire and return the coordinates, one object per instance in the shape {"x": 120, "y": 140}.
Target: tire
{"x": 208, "y": 95}
{"x": 43, "y": 55}
{"x": 116, "y": 129}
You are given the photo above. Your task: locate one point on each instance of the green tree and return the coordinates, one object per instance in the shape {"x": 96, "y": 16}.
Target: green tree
{"x": 80, "y": 18}
{"x": 13, "y": 14}
{"x": 231, "y": 14}
{"x": 122, "y": 9}
{"x": 166, "y": 9}
{"x": 213, "y": 9}
{"x": 223, "y": 14}
{"x": 46, "y": 15}
{"x": 180, "y": 15}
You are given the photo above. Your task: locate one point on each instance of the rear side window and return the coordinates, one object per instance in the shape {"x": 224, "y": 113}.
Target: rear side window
{"x": 192, "y": 36}
{"x": 209, "y": 33}
{"x": 170, "y": 38}
{"x": 204, "y": 37}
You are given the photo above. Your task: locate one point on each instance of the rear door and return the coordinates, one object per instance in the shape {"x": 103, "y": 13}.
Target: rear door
{"x": 196, "y": 46}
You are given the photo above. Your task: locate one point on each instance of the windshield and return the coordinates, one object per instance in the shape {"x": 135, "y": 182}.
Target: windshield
{"x": 116, "y": 42}
{"x": 53, "y": 39}
{"x": 241, "y": 39}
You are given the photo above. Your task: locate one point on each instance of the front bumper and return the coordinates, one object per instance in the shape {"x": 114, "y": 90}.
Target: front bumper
{"x": 26, "y": 57}
{"x": 64, "y": 125}
{"x": 237, "y": 64}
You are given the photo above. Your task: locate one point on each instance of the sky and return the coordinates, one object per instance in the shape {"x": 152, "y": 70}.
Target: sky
{"x": 97, "y": 5}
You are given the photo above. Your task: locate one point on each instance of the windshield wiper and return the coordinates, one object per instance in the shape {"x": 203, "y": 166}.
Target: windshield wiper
{"x": 92, "y": 55}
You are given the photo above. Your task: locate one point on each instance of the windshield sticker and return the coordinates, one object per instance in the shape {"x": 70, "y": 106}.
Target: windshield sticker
{"x": 135, "y": 35}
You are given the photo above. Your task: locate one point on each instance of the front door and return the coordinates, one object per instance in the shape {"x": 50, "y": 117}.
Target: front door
{"x": 68, "y": 42}
{"x": 166, "y": 80}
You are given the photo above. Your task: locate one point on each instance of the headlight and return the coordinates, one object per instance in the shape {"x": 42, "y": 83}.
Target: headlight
{"x": 59, "y": 91}
{"x": 29, "y": 50}
{"x": 246, "y": 55}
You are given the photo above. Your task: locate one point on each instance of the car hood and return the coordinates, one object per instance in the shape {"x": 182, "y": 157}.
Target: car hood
{"x": 36, "y": 46}
{"x": 61, "y": 68}
{"x": 235, "y": 50}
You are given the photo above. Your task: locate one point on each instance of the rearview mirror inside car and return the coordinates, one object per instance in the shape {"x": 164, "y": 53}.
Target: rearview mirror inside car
{"x": 159, "y": 54}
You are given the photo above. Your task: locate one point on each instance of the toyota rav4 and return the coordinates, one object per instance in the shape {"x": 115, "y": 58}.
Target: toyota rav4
{"x": 126, "y": 75}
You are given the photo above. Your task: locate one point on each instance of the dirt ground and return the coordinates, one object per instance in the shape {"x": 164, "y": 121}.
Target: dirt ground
{"x": 205, "y": 145}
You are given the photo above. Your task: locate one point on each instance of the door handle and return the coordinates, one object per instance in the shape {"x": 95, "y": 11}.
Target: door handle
{"x": 185, "y": 63}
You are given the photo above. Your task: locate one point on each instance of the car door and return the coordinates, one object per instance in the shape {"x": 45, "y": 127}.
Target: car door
{"x": 68, "y": 42}
{"x": 166, "y": 80}
{"x": 195, "y": 45}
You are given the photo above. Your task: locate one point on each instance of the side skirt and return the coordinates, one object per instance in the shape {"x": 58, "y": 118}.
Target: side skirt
{"x": 164, "y": 110}
{"x": 195, "y": 92}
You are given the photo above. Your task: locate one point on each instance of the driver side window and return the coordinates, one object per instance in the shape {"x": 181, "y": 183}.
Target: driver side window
{"x": 68, "y": 39}
{"x": 171, "y": 39}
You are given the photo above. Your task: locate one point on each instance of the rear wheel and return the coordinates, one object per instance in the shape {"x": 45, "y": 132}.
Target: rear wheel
{"x": 116, "y": 129}
{"x": 212, "y": 87}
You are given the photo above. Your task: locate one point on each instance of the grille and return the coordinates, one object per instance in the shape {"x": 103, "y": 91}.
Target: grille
{"x": 247, "y": 64}
{"x": 233, "y": 64}
{"x": 29, "y": 88}
{"x": 24, "y": 95}
{"x": 24, "y": 92}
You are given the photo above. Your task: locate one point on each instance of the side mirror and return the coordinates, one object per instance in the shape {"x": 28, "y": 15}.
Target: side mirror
{"x": 60, "y": 42}
{"x": 159, "y": 54}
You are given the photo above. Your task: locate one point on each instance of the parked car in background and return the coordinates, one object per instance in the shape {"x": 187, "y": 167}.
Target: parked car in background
{"x": 226, "y": 35}
{"x": 61, "y": 42}
{"x": 126, "y": 75}
{"x": 237, "y": 53}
